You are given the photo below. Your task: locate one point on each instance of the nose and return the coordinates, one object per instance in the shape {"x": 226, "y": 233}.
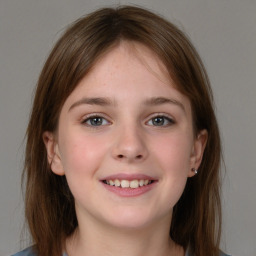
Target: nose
{"x": 130, "y": 145}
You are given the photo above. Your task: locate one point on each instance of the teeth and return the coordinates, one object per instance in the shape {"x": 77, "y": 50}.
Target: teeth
{"x": 134, "y": 184}
{"x": 141, "y": 183}
{"x": 117, "y": 183}
{"x": 127, "y": 183}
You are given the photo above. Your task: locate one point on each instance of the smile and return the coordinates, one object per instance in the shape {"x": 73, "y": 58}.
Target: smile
{"x": 128, "y": 183}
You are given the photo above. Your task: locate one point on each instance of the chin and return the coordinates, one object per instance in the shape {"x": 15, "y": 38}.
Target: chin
{"x": 131, "y": 219}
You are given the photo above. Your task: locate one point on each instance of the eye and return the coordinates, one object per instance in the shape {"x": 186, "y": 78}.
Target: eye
{"x": 161, "y": 121}
{"x": 95, "y": 121}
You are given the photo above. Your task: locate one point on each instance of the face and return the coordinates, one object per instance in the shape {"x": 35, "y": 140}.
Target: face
{"x": 125, "y": 141}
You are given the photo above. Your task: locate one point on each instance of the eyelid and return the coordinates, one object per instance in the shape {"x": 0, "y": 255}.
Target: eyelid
{"x": 91, "y": 115}
{"x": 102, "y": 115}
{"x": 164, "y": 115}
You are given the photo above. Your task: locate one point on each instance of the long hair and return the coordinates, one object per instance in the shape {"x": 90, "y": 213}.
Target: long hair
{"x": 49, "y": 204}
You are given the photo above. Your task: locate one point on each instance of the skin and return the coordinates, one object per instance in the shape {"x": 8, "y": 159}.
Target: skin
{"x": 128, "y": 140}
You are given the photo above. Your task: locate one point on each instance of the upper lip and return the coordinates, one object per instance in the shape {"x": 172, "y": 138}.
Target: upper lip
{"x": 124, "y": 176}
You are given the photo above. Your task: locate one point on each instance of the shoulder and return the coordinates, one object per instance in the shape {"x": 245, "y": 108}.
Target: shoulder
{"x": 27, "y": 252}
{"x": 189, "y": 253}
{"x": 224, "y": 254}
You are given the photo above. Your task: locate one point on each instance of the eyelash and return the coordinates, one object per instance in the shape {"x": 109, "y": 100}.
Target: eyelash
{"x": 170, "y": 121}
{"x": 90, "y": 118}
{"x": 94, "y": 116}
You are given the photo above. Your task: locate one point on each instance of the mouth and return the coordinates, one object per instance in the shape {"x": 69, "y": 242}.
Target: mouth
{"x": 132, "y": 184}
{"x": 129, "y": 185}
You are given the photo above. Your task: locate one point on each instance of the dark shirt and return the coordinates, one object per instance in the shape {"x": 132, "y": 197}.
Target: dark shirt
{"x": 29, "y": 252}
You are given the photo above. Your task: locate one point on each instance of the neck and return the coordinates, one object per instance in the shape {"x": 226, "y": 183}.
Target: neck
{"x": 97, "y": 239}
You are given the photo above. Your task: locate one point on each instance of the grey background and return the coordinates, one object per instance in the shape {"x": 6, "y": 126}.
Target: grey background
{"x": 224, "y": 32}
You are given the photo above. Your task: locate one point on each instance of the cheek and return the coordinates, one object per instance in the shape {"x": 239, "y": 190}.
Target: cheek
{"x": 173, "y": 153}
{"x": 81, "y": 158}
{"x": 81, "y": 154}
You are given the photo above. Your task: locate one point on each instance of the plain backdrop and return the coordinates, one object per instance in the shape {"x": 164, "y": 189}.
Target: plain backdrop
{"x": 223, "y": 31}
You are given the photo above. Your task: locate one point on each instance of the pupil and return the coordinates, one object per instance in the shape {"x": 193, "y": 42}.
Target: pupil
{"x": 96, "y": 121}
{"x": 158, "y": 121}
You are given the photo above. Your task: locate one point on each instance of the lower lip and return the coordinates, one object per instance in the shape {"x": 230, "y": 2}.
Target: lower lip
{"x": 130, "y": 192}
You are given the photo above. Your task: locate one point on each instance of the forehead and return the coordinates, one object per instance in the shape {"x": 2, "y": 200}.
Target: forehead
{"x": 129, "y": 57}
{"x": 129, "y": 78}
{"x": 127, "y": 70}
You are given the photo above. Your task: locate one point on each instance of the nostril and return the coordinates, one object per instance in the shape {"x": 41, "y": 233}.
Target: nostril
{"x": 122, "y": 156}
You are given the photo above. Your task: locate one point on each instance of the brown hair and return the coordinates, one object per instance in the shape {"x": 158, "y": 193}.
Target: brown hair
{"x": 49, "y": 204}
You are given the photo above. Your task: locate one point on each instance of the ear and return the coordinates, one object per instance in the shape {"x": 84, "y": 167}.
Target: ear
{"x": 53, "y": 154}
{"x": 198, "y": 151}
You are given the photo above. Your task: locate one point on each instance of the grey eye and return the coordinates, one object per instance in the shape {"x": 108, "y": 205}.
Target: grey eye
{"x": 95, "y": 121}
{"x": 160, "y": 121}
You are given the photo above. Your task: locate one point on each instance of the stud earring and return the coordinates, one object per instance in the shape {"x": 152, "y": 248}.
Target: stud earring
{"x": 195, "y": 170}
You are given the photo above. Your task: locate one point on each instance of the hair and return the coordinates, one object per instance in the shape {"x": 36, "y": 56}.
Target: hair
{"x": 49, "y": 204}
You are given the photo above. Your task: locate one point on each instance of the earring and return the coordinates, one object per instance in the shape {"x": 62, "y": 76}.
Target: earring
{"x": 195, "y": 170}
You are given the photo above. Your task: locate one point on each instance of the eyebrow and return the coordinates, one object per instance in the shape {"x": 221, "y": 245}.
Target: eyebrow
{"x": 102, "y": 101}
{"x": 156, "y": 101}
{"x": 93, "y": 101}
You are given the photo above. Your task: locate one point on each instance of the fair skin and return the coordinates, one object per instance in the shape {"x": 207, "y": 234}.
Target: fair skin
{"x": 125, "y": 123}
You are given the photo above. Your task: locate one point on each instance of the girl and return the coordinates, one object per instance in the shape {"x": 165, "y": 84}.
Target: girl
{"x": 123, "y": 148}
